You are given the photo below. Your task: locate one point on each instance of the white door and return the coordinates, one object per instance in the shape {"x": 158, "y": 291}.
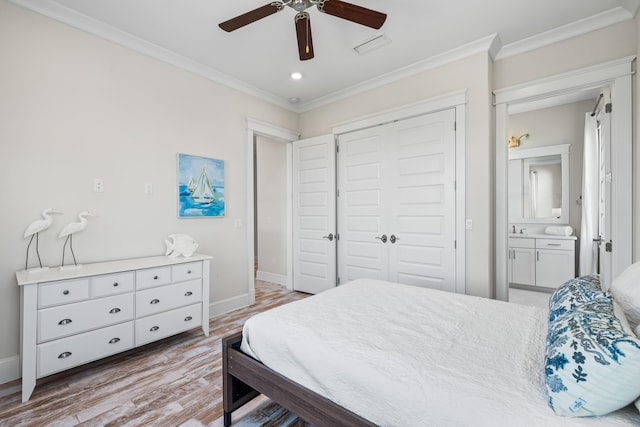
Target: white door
{"x": 314, "y": 214}
{"x": 422, "y": 208}
{"x": 604, "y": 197}
{"x": 396, "y": 204}
{"x": 361, "y": 206}
{"x": 523, "y": 266}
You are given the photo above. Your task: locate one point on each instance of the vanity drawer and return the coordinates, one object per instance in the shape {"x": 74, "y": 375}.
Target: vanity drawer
{"x": 63, "y": 292}
{"x": 57, "y": 322}
{"x": 111, "y": 284}
{"x": 151, "y": 277}
{"x": 555, "y": 244}
{"x": 163, "y": 325}
{"x": 151, "y": 301}
{"x": 524, "y": 242}
{"x": 68, "y": 352}
{"x": 182, "y": 272}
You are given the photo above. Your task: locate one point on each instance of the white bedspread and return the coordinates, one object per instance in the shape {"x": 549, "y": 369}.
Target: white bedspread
{"x": 405, "y": 356}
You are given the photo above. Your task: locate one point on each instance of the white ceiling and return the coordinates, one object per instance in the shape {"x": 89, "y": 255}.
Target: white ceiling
{"x": 260, "y": 57}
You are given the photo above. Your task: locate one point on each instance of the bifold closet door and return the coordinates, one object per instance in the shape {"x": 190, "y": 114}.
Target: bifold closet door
{"x": 396, "y": 204}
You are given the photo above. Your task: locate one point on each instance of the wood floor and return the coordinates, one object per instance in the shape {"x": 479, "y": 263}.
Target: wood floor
{"x": 173, "y": 382}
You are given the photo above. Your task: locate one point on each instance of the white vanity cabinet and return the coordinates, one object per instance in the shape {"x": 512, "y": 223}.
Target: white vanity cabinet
{"x": 541, "y": 260}
{"x": 73, "y": 317}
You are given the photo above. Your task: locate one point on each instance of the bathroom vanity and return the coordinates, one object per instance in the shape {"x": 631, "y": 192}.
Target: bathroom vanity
{"x": 541, "y": 259}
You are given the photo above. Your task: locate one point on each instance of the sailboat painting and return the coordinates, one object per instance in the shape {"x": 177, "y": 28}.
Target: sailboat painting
{"x": 200, "y": 187}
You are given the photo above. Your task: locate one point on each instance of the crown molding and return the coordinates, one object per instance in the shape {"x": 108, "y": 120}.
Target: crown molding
{"x": 54, "y": 10}
{"x": 486, "y": 44}
{"x": 565, "y": 32}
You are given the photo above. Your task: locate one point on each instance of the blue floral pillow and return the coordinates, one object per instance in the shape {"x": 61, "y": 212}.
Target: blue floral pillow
{"x": 574, "y": 293}
{"x": 592, "y": 367}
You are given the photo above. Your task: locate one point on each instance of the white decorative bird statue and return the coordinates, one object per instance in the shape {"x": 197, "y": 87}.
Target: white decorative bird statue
{"x": 69, "y": 230}
{"x": 34, "y": 230}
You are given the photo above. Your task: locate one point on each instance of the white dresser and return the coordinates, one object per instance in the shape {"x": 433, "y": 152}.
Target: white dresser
{"x": 72, "y": 317}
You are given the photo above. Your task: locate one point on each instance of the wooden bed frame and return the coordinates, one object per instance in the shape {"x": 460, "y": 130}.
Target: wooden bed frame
{"x": 244, "y": 378}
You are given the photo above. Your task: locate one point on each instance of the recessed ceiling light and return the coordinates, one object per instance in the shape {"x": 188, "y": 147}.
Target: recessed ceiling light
{"x": 296, "y": 76}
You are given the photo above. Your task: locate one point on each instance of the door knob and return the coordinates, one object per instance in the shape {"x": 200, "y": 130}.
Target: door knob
{"x": 393, "y": 238}
{"x": 383, "y": 238}
{"x": 329, "y": 237}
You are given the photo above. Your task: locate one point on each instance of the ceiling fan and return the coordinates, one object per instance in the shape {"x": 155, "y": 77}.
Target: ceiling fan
{"x": 341, "y": 9}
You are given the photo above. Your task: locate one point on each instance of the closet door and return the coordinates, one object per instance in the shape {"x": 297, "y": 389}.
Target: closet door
{"x": 396, "y": 202}
{"x": 362, "y": 251}
{"x": 422, "y": 207}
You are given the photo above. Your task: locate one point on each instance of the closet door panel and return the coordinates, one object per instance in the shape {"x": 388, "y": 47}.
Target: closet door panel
{"x": 361, "y": 206}
{"x": 422, "y": 205}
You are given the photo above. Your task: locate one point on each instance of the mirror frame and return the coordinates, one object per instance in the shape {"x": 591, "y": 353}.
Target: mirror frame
{"x": 548, "y": 150}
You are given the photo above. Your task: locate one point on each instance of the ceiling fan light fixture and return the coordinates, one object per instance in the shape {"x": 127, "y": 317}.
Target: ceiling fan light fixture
{"x": 372, "y": 43}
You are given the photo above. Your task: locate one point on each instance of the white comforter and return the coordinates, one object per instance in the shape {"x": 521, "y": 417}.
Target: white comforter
{"x": 405, "y": 356}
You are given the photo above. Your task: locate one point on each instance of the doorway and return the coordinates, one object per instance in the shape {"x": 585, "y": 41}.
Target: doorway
{"x": 614, "y": 76}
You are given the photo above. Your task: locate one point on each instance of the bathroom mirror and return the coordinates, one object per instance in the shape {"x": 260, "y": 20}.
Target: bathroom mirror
{"x": 539, "y": 185}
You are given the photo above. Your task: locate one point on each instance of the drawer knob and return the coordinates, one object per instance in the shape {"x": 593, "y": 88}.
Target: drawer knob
{"x": 155, "y": 328}
{"x": 154, "y": 301}
{"x": 188, "y": 294}
{"x": 155, "y": 277}
{"x": 64, "y": 322}
{"x": 188, "y": 271}
{"x": 114, "y": 340}
{"x": 188, "y": 318}
{"x": 114, "y": 310}
{"x": 65, "y": 292}
{"x": 115, "y": 284}
{"x": 64, "y": 355}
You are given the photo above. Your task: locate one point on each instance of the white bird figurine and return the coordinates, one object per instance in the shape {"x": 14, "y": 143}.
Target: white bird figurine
{"x": 70, "y": 229}
{"x": 34, "y": 230}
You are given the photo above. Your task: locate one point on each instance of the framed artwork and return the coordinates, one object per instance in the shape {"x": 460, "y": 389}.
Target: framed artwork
{"x": 200, "y": 187}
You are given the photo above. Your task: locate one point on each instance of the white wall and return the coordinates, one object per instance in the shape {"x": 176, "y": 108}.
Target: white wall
{"x": 473, "y": 74}
{"x": 563, "y": 124}
{"x": 73, "y": 108}
{"x": 271, "y": 204}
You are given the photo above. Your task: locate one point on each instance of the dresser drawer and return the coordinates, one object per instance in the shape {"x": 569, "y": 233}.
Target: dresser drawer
{"x": 68, "y": 352}
{"x": 63, "y": 292}
{"x": 151, "y": 301}
{"x": 169, "y": 323}
{"x": 57, "y": 322}
{"x": 151, "y": 277}
{"x": 111, "y": 284}
{"x": 555, "y": 244}
{"x": 189, "y": 271}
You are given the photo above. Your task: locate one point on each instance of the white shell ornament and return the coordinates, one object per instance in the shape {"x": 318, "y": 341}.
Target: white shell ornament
{"x": 180, "y": 244}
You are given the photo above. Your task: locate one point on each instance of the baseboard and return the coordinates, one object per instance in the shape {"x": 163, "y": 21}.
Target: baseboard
{"x": 278, "y": 279}
{"x": 9, "y": 369}
{"x": 221, "y": 307}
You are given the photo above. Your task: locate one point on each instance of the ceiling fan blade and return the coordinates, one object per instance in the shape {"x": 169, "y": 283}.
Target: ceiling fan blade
{"x": 354, "y": 13}
{"x": 251, "y": 16}
{"x": 303, "y": 31}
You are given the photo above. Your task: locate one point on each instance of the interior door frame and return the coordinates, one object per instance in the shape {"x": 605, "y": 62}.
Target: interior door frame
{"x": 454, "y": 100}
{"x": 616, "y": 75}
{"x": 259, "y": 128}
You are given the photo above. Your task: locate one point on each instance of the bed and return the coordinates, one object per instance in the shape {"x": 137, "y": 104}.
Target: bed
{"x": 377, "y": 353}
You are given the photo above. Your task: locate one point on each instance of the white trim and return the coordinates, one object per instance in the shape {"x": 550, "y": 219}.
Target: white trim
{"x": 278, "y": 279}
{"x": 565, "y": 32}
{"x": 430, "y": 105}
{"x": 486, "y": 44}
{"x": 257, "y": 127}
{"x": 616, "y": 74}
{"x": 86, "y": 23}
{"x": 219, "y": 308}
{"x": 457, "y": 100}
{"x": 9, "y": 369}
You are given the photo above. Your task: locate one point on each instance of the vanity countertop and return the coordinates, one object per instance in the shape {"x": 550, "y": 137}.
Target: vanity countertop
{"x": 540, "y": 236}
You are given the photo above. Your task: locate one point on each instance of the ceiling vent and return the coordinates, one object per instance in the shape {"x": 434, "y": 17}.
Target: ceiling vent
{"x": 372, "y": 43}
